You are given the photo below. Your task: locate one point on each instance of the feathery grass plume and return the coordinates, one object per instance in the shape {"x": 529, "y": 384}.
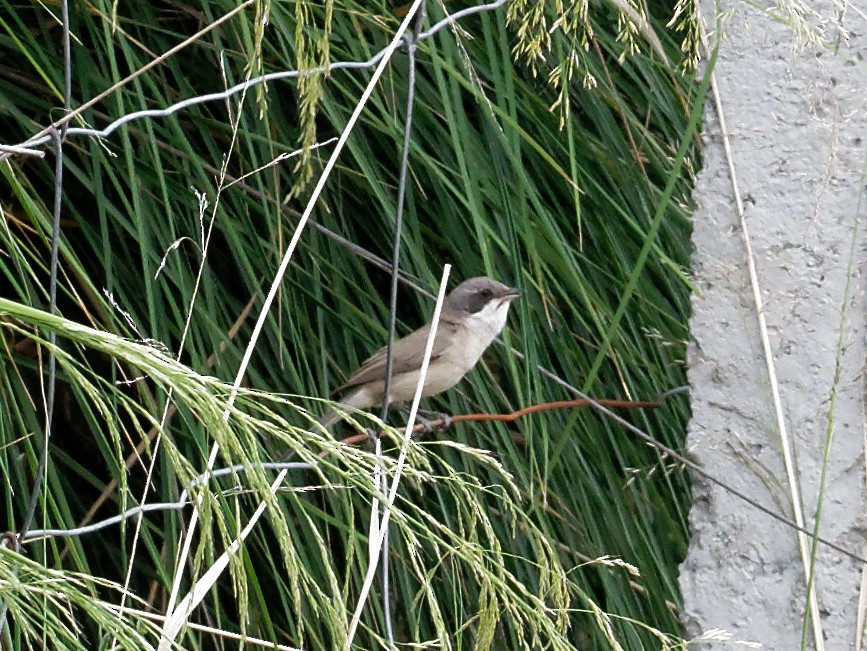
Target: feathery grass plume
{"x": 313, "y": 24}
{"x": 72, "y": 610}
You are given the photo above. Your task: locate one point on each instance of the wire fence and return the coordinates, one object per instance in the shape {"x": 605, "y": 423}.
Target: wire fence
{"x": 406, "y": 39}
{"x": 60, "y": 130}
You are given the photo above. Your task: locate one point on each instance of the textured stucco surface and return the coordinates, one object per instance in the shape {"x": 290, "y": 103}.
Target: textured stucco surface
{"x": 798, "y": 125}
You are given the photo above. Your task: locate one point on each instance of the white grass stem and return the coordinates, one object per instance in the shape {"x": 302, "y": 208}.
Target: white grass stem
{"x": 401, "y": 461}
{"x": 785, "y": 442}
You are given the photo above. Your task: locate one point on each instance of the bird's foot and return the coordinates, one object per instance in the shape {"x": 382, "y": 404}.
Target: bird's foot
{"x": 433, "y": 420}
{"x": 429, "y": 420}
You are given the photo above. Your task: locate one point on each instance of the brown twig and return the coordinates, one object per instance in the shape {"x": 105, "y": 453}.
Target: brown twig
{"x": 445, "y": 423}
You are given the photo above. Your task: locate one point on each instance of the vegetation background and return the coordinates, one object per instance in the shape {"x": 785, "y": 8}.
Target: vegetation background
{"x": 552, "y": 147}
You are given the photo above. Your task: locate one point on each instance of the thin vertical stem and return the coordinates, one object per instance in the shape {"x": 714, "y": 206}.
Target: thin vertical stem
{"x": 411, "y": 39}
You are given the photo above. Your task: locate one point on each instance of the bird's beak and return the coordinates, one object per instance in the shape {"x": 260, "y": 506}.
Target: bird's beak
{"x": 510, "y": 294}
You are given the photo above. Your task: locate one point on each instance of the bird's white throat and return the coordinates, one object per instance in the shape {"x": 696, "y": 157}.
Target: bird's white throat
{"x": 482, "y": 328}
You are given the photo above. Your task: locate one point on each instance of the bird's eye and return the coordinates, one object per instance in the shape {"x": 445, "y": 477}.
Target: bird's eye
{"x": 486, "y": 293}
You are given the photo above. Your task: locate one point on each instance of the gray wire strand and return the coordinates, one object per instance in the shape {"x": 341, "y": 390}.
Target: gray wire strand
{"x": 398, "y": 221}
{"x": 264, "y": 79}
{"x": 21, "y": 151}
{"x": 411, "y": 40}
{"x": 55, "y": 262}
{"x": 51, "y": 382}
{"x": 50, "y": 390}
{"x": 692, "y": 465}
{"x": 52, "y": 340}
{"x": 182, "y": 501}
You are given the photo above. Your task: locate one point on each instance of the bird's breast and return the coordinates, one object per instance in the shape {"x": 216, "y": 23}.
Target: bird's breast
{"x": 471, "y": 337}
{"x": 476, "y": 334}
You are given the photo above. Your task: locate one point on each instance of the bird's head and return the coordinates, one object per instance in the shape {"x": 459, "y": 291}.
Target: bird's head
{"x": 480, "y": 296}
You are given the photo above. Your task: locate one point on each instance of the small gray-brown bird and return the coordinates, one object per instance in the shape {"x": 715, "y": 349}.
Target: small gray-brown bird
{"x": 472, "y": 316}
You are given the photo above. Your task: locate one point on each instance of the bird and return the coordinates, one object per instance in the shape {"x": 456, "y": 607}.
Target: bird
{"x": 472, "y": 316}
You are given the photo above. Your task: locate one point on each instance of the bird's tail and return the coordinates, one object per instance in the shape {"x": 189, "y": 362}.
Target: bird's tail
{"x": 358, "y": 399}
{"x": 329, "y": 418}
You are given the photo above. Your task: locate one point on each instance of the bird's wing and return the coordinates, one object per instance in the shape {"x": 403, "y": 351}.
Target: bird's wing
{"x": 407, "y": 354}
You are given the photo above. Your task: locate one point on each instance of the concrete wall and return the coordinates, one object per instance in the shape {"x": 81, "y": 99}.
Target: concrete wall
{"x": 797, "y": 119}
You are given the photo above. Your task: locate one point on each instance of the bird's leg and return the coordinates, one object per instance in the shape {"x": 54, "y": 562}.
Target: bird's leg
{"x": 428, "y": 418}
